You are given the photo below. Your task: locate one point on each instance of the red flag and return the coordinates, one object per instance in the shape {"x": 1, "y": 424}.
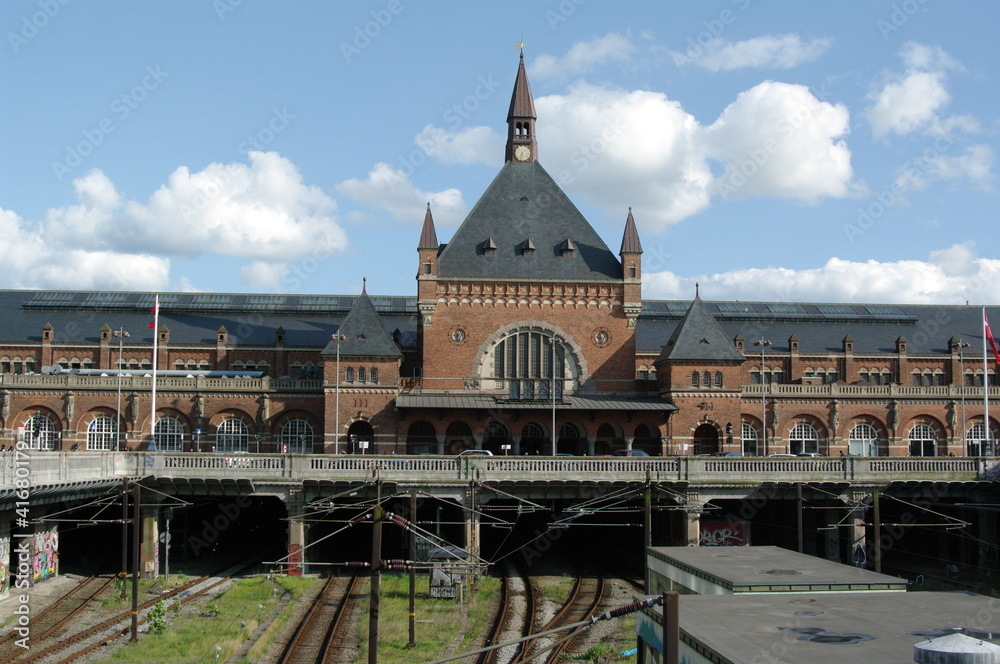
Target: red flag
{"x": 156, "y": 312}
{"x": 989, "y": 337}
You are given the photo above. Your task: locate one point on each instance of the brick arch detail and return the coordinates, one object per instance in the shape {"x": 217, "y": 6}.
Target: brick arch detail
{"x": 530, "y": 326}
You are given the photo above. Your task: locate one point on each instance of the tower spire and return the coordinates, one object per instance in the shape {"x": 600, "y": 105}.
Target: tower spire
{"x": 521, "y": 143}
{"x": 428, "y": 236}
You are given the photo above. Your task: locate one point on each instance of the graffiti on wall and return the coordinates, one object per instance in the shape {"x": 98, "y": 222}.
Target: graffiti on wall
{"x": 724, "y": 533}
{"x": 45, "y": 560}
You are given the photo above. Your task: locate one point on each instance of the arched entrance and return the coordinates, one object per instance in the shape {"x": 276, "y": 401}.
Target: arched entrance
{"x": 533, "y": 439}
{"x": 361, "y": 438}
{"x": 495, "y": 436}
{"x": 609, "y": 439}
{"x": 647, "y": 439}
{"x": 421, "y": 438}
{"x": 458, "y": 437}
{"x": 570, "y": 441}
{"x": 706, "y": 440}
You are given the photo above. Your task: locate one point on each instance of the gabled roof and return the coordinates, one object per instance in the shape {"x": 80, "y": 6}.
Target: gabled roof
{"x": 699, "y": 337}
{"x": 364, "y": 333}
{"x": 524, "y": 201}
{"x": 630, "y": 238}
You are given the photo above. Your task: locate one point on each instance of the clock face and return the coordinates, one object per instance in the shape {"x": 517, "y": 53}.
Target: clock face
{"x": 522, "y": 153}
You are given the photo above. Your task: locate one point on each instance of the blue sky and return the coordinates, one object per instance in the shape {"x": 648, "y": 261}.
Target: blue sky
{"x": 839, "y": 151}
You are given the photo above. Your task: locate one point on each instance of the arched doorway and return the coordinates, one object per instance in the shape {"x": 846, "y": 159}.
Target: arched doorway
{"x": 458, "y": 437}
{"x": 361, "y": 438}
{"x": 533, "y": 439}
{"x": 647, "y": 439}
{"x": 421, "y": 438}
{"x": 609, "y": 439}
{"x": 495, "y": 436}
{"x": 706, "y": 440}
{"x": 570, "y": 441}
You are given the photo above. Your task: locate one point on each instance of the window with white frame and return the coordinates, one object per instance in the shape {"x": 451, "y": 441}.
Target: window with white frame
{"x": 102, "y": 433}
{"x": 525, "y": 361}
{"x": 749, "y": 440}
{"x": 169, "y": 435}
{"x": 863, "y": 440}
{"x": 803, "y": 439}
{"x": 232, "y": 435}
{"x": 40, "y": 433}
{"x": 923, "y": 440}
{"x": 297, "y": 437}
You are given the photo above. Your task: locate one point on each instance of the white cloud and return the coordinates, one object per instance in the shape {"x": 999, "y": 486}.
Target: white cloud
{"x": 390, "y": 189}
{"x": 974, "y": 165}
{"x": 951, "y": 276}
{"x": 472, "y": 145}
{"x": 778, "y": 139}
{"x": 583, "y": 56}
{"x": 767, "y": 52}
{"x": 618, "y": 148}
{"x": 264, "y": 277}
{"x": 914, "y": 101}
{"x": 261, "y": 211}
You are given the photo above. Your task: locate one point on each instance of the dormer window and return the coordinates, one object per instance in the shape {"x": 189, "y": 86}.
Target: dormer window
{"x": 567, "y": 248}
{"x": 489, "y": 247}
{"x": 528, "y": 248}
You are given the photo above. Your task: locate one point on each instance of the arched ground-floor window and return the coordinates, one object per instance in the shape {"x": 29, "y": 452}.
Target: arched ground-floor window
{"x": 296, "y": 437}
{"x": 706, "y": 439}
{"x": 534, "y": 440}
{"x": 570, "y": 440}
{"x": 978, "y": 443}
{"x": 749, "y": 440}
{"x": 232, "y": 435}
{"x": 421, "y": 438}
{"x": 647, "y": 439}
{"x": 863, "y": 440}
{"x": 923, "y": 440}
{"x": 40, "y": 433}
{"x": 458, "y": 437}
{"x": 169, "y": 435}
{"x": 803, "y": 439}
{"x": 102, "y": 434}
{"x": 495, "y": 437}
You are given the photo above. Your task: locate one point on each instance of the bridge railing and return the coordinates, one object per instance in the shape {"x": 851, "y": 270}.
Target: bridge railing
{"x": 48, "y": 468}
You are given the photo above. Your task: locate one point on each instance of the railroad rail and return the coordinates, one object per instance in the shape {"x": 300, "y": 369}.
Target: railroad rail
{"x": 319, "y": 633}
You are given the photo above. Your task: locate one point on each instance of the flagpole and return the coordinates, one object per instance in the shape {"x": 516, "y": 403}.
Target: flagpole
{"x": 986, "y": 387}
{"x": 156, "y": 337}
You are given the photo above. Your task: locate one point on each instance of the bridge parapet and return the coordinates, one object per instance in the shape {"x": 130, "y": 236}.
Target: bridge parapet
{"x": 52, "y": 468}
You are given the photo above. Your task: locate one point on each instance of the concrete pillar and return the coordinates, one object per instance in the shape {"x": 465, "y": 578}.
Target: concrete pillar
{"x": 149, "y": 552}
{"x": 472, "y": 544}
{"x": 628, "y": 442}
{"x": 296, "y": 560}
{"x": 693, "y": 514}
{"x": 440, "y": 437}
{"x": 515, "y": 446}
{"x": 591, "y": 440}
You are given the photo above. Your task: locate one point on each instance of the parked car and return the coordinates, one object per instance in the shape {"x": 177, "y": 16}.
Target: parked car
{"x": 630, "y": 453}
{"x": 809, "y": 454}
{"x": 475, "y": 453}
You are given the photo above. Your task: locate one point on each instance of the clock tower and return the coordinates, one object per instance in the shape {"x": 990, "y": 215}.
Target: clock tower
{"x": 522, "y": 147}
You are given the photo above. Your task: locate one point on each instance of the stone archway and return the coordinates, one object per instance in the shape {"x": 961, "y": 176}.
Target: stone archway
{"x": 706, "y": 439}
{"x": 361, "y": 432}
{"x": 421, "y": 438}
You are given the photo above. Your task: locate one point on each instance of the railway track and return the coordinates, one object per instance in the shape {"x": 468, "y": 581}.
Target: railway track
{"x": 318, "y": 636}
{"x": 53, "y": 620}
{"x": 582, "y": 603}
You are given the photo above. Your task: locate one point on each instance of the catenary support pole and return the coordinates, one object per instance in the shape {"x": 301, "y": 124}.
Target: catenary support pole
{"x": 413, "y": 573}
{"x": 376, "y": 576}
{"x": 137, "y": 541}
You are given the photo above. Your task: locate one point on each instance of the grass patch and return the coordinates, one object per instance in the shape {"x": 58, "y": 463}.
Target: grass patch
{"x": 191, "y": 636}
{"x": 557, "y": 589}
{"x": 440, "y": 622}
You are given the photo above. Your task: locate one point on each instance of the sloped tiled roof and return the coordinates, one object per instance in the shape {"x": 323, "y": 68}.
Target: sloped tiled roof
{"x": 630, "y": 238}
{"x": 699, "y": 337}
{"x": 364, "y": 333}
{"x": 521, "y": 103}
{"x": 522, "y": 202}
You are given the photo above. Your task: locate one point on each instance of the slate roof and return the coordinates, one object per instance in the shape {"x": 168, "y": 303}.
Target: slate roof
{"x": 428, "y": 236}
{"x": 699, "y": 337}
{"x": 524, "y": 203}
{"x": 365, "y": 335}
{"x": 630, "y": 238}
{"x": 574, "y": 402}
{"x": 522, "y": 105}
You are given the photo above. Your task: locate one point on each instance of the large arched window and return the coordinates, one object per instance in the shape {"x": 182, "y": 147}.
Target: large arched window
{"x": 803, "y": 439}
{"x": 232, "y": 436}
{"x": 863, "y": 440}
{"x": 923, "y": 440}
{"x": 525, "y": 361}
{"x": 40, "y": 433}
{"x": 102, "y": 434}
{"x": 297, "y": 437}
{"x": 169, "y": 434}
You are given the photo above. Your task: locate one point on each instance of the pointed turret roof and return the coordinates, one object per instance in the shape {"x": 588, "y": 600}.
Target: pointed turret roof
{"x": 521, "y": 103}
{"x": 428, "y": 236}
{"x": 699, "y": 337}
{"x": 363, "y": 333}
{"x": 630, "y": 239}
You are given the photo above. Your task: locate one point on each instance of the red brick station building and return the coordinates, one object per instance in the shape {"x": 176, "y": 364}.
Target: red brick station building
{"x": 523, "y": 323}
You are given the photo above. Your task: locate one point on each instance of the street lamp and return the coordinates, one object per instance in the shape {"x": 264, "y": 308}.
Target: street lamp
{"x": 763, "y": 396}
{"x": 120, "y": 333}
{"x": 336, "y": 436}
{"x": 554, "y": 341}
{"x": 961, "y": 364}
